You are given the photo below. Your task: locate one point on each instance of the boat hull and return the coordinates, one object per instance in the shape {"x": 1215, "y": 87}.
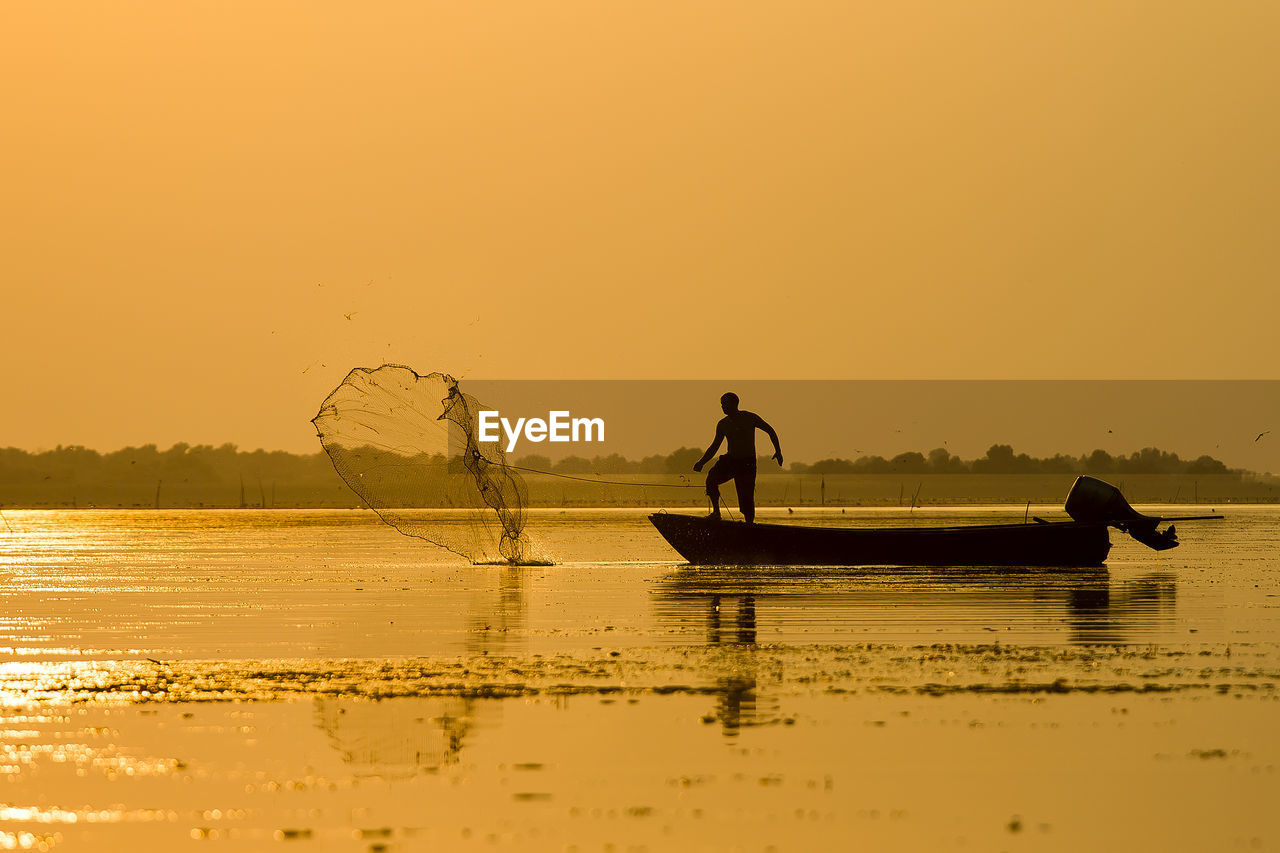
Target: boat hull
{"x": 704, "y": 541}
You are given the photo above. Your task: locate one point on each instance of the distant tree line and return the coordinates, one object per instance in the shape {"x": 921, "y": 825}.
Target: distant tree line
{"x": 226, "y": 467}
{"x": 183, "y": 475}
{"x": 1000, "y": 459}
{"x": 677, "y": 462}
{"x": 200, "y": 463}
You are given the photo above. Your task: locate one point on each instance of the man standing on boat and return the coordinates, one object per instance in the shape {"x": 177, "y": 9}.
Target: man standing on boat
{"x": 739, "y": 463}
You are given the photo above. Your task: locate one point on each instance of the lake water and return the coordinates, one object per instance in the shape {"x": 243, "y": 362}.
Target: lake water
{"x": 313, "y": 679}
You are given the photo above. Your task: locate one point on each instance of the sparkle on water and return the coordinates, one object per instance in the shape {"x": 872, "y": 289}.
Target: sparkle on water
{"x": 287, "y": 676}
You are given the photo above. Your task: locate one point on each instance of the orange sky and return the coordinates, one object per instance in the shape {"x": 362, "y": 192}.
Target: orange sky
{"x": 194, "y": 194}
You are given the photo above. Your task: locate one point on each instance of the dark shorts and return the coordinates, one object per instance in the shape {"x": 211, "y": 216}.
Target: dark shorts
{"x": 741, "y": 471}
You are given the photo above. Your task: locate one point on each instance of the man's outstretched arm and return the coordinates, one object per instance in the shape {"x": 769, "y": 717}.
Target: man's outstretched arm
{"x": 773, "y": 436}
{"x": 711, "y": 451}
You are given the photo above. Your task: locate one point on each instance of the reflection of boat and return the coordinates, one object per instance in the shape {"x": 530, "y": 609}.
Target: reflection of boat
{"x": 1108, "y": 614}
{"x": 738, "y": 607}
{"x": 1083, "y": 541}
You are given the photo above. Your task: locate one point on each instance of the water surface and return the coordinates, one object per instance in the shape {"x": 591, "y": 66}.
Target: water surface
{"x": 314, "y": 678}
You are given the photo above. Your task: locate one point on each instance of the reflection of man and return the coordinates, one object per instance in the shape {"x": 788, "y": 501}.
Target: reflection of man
{"x": 739, "y": 463}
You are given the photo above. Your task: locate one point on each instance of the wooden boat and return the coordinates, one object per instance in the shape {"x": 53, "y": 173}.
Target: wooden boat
{"x": 1083, "y": 541}
{"x": 706, "y": 541}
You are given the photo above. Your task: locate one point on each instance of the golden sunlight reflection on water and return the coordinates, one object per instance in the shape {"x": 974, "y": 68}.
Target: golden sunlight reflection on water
{"x": 256, "y": 678}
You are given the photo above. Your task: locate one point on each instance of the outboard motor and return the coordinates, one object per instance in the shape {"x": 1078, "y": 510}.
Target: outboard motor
{"x": 1092, "y": 500}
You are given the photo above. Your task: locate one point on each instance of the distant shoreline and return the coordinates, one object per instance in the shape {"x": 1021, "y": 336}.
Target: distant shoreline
{"x": 658, "y": 491}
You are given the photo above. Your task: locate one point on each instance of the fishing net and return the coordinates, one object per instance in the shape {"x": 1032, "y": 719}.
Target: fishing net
{"x": 407, "y": 444}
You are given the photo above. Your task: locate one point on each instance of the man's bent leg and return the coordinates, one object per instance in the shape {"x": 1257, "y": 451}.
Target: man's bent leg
{"x": 719, "y": 473}
{"x": 713, "y": 492}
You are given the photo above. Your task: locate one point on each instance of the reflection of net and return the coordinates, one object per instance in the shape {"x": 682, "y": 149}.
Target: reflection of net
{"x": 397, "y": 738}
{"x": 404, "y": 441}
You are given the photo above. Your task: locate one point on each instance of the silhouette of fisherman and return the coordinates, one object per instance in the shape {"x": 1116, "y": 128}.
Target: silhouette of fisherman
{"x": 739, "y": 463}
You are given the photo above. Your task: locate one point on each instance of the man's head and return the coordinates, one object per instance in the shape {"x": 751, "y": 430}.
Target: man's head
{"x": 729, "y": 403}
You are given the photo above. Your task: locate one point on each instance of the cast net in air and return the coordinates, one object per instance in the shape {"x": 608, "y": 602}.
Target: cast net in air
{"x": 407, "y": 443}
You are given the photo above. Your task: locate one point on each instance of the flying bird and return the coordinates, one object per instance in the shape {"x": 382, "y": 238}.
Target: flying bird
{"x": 1260, "y": 435}
{"x": 352, "y": 314}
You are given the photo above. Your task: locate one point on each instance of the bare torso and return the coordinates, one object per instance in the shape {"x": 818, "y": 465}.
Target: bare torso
{"x": 739, "y": 431}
